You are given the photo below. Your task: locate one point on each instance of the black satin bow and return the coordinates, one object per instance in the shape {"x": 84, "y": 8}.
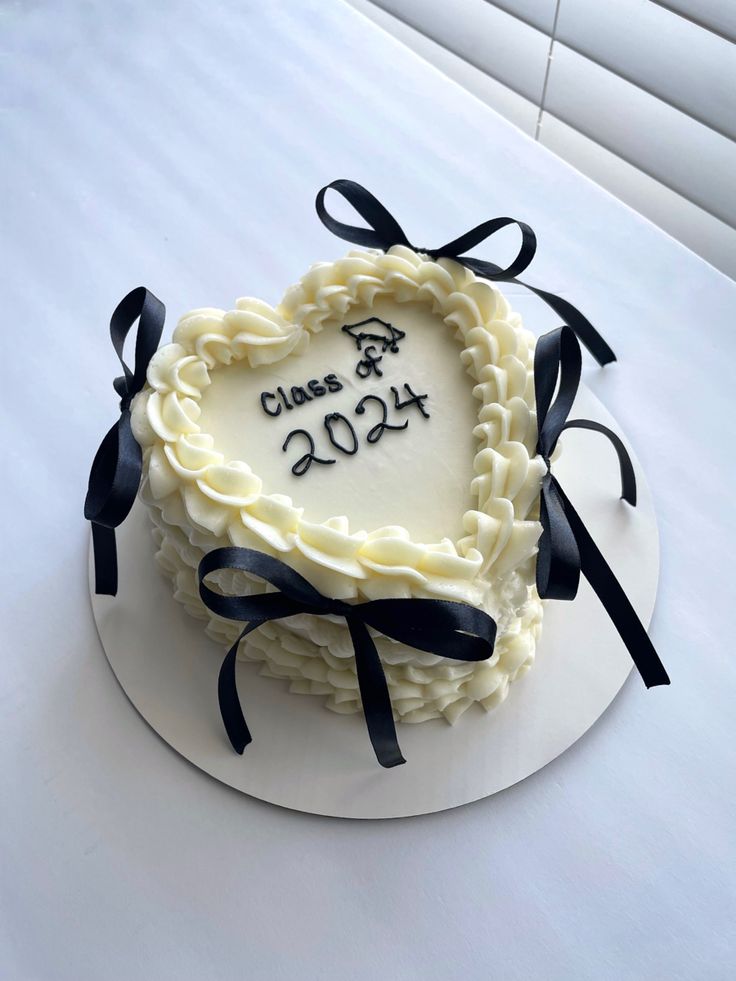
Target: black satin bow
{"x": 116, "y": 469}
{"x": 385, "y": 231}
{"x": 565, "y": 548}
{"x": 448, "y": 629}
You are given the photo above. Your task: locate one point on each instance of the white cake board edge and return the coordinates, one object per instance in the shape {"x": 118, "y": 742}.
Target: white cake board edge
{"x": 307, "y": 758}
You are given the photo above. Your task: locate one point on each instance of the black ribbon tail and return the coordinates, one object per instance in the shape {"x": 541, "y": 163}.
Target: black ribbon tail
{"x": 375, "y": 696}
{"x": 578, "y": 322}
{"x": 616, "y": 603}
{"x": 558, "y": 560}
{"x": 448, "y": 629}
{"x": 231, "y": 710}
{"x": 583, "y": 328}
{"x": 628, "y": 477}
{"x": 116, "y": 468}
{"x": 105, "y": 552}
{"x": 385, "y": 231}
{"x": 566, "y": 548}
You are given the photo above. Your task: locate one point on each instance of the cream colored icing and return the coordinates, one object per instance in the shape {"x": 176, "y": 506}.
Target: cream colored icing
{"x": 201, "y": 497}
{"x": 315, "y": 656}
{"x": 435, "y": 454}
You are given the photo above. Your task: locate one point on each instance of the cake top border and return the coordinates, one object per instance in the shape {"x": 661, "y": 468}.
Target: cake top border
{"x": 223, "y": 498}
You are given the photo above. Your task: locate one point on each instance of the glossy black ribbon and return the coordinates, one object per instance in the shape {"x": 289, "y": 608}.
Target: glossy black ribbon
{"x": 385, "y": 231}
{"x": 566, "y": 548}
{"x": 442, "y": 627}
{"x": 116, "y": 469}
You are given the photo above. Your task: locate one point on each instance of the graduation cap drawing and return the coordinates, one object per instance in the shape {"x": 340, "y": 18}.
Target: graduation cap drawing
{"x": 371, "y": 333}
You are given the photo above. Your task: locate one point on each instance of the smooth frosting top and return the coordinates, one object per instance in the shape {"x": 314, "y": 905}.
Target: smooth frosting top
{"x": 225, "y": 500}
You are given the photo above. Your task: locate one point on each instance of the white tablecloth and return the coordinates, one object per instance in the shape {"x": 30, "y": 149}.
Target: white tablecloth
{"x": 181, "y": 145}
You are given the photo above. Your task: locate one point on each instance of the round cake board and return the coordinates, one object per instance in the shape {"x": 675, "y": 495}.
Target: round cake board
{"x": 307, "y": 758}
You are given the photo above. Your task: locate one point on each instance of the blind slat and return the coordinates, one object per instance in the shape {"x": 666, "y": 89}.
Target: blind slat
{"x": 512, "y": 106}
{"x": 709, "y": 237}
{"x": 538, "y": 13}
{"x": 714, "y": 15}
{"x": 503, "y": 47}
{"x": 670, "y": 57}
{"x": 673, "y": 148}
{"x": 672, "y": 164}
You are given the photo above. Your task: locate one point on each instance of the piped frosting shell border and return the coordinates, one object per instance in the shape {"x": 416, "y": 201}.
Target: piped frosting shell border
{"x": 191, "y": 481}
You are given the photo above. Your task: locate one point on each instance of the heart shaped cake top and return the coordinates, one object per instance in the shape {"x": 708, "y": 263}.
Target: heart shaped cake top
{"x": 402, "y": 390}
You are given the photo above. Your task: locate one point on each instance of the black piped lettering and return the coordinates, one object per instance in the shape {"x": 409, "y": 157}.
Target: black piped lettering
{"x": 299, "y": 395}
{"x": 378, "y": 430}
{"x": 284, "y": 399}
{"x": 265, "y": 396}
{"x": 304, "y": 462}
{"x": 330, "y": 420}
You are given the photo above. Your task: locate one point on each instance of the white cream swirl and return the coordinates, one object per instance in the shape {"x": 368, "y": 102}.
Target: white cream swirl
{"x": 224, "y": 498}
{"x": 200, "y": 500}
{"x": 315, "y": 656}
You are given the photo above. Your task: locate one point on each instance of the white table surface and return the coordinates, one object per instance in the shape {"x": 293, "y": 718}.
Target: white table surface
{"x": 180, "y": 145}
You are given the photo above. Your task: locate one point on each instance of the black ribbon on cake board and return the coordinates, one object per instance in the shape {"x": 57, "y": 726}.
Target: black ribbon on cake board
{"x": 117, "y": 466}
{"x": 385, "y": 231}
{"x": 453, "y": 630}
{"x": 566, "y": 548}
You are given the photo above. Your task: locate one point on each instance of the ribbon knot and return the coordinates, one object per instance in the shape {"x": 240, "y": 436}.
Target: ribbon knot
{"x": 566, "y": 549}
{"x": 442, "y": 627}
{"x": 447, "y": 629}
{"x": 120, "y": 384}
{"x": 116, "y": 469}
{"x": 385, "y": 231}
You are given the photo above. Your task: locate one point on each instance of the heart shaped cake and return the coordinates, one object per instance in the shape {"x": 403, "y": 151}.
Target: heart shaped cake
{"x": 362, "y": 476}
{"x": 375, "y": 431}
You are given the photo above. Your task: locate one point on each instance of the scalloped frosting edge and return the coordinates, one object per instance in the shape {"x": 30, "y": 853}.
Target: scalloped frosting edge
{"x": 314, "y": 655}
{"x": 220, "y": 501}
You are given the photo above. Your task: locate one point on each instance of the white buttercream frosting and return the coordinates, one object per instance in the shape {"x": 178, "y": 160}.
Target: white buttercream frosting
{"x": 202, "y": 497}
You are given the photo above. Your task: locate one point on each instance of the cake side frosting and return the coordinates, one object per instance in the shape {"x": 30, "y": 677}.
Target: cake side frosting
{"x": 315, "y": 655}
{"x": 201, "y": 500}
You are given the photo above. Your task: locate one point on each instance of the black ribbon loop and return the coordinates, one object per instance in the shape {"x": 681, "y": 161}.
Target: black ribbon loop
{"x": 385, "y": 231}
{"x": 116, "y": 469}
{"x": 448, "y": 629}
{"x": 566, "y": 548}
